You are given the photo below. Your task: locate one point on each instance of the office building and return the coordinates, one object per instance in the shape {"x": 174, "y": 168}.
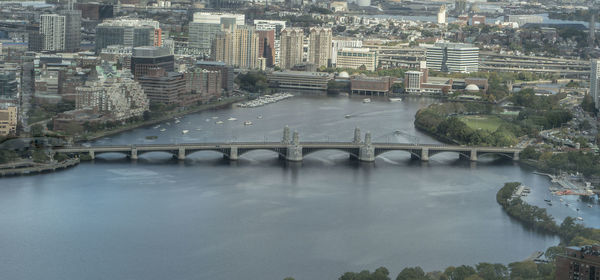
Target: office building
{"x": 320, "y": 46}
{"x": 205, "y": 84}
{"x": 579, "y": 263}
{"x": 420, "y": 82}
{"x": 145, "y": 58}
{"x": 203, "y": 30}
{"x": 215, "y": 18}
{"x": 341, "y": 43}
{"x": 72, "y": 31}
{"x": 163, "y": 87}
{"x": 222, "y": 47}
{"x": 357, "y": 58}
{"x": 8, "y": 119}
{"x": 371, "y": 85}
{"x": 453, "y": 57}
{"x": 291, "y": 47}
{"x": 128, "y": 32}
{"x": 278, "y": 26}
{"x": 225, "y": 70}
{"x": 413, "y": 81}
{"x": 298, "y": 80}
{"x": 595, "y": 82}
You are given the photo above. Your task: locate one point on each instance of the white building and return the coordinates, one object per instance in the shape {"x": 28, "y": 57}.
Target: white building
{"x": 339, "y": 44}
{"x": 215, "y": 18}
{"x": 523, "y": 19}
{"x": 453, "y": 57}
{"x": 52, "y": 26}
{"x": 357, "y": 58}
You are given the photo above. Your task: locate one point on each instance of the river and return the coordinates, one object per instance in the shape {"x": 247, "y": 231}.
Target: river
{"x": 260, "y": 218}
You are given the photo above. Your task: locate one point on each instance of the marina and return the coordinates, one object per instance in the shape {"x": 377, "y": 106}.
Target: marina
{"x": 264, "y": 100}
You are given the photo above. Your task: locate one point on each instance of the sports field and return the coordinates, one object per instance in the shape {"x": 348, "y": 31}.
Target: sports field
{"x": 489, "y": 123}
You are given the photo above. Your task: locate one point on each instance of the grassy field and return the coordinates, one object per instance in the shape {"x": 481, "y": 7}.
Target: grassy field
{"x": 489, "y": 123}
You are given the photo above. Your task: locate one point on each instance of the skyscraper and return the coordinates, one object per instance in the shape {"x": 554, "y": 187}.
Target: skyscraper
{"x": 291, "y": 47}
{"x": 595, "y": 81}
{"x": 72, "y": 31}
{"x": 205, "y": 26}
{"x": 128, "y": 32}
{"x": 245, "y": 47}
{"x": 52, "y": 27}
{"x": 320, "y": 46}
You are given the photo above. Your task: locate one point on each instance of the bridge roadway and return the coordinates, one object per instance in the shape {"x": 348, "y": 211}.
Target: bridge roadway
{"x": 294, "y": 150}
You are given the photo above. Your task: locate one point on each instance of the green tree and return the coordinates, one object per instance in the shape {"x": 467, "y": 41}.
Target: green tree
{"x": 412, "y": 273}
{"x": 490, "y": 271}
{"x": 523, "y": 270}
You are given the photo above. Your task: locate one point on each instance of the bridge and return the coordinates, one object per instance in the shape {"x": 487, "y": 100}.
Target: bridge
{"x": 291, "y": 149}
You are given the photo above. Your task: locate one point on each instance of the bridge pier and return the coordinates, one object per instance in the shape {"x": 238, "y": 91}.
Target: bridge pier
{"x": 92, "y": 154}
{"x": 134, "y": 154}
{"x": 473, "y": 156}
{"x": 233, "y": 153}
{"x": 516, "y": 156}
{"x": 424, "y": 154}
{"x": 366, "y": 152}
{"x": 294, "y": 151}
{"x": 181, "y": 154}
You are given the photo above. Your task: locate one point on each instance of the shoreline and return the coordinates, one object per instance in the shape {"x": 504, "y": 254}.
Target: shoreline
{"x": 35, "y": 170}
{"x": 169, "y": 115}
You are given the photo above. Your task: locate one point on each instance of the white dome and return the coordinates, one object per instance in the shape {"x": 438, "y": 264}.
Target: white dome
{"x": 344, "y": 74}
{"x": 472, "y": 87}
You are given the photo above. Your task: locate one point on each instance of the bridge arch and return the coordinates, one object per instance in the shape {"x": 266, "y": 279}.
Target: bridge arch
{"x": 122, "y": 153}
{"x": 413, "y": 153}
{"x": 505, "y": 155}
{"x": 351, "y": 152}
{"x": 170, "y": 153}
{"x": 218, "y": 151}
{"x": 465, "y": 154}
{"x": 279, "y": 151}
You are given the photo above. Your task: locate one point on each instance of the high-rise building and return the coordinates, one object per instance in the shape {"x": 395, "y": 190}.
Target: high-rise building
{"x": 72, "y": 29}
{"x": 8, "y": 85}
{"x": 266, "y": 46}
{"x": 222, "y": 47}
{"x": 205, "y": 26}
{"x": 225, "y": 70}
{"x": 357, "y": 58}
{"x": 128, "y": 32}
{"x": 52, "y": 27}
{"x": 245, "y": 47}
{"x": 277, "y": 25}
{"x": 144, "y": 59}
{"x": 320, "y": 46}
{"x": 453, "y": 57}
{"x": 291, "y": 47}
{"x": 595, "y": 82}
{"x": 163, "y": 87}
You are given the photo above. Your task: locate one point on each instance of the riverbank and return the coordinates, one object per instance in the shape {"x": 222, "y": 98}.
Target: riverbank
{"x": 168, "y": 116}
{"x": 35, "y": 168}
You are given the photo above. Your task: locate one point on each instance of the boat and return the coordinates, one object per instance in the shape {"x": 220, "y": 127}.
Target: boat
{"x": 219, "y": 122}
{"x": 398, "y": 131}
{"x": 177, "y": 121}
{"x": 579, "y": 218}
{"x": 214, "y": 118}
{"x": 367, "y": 100}
{"x": 547, "y": 200}
{"x": 259, "y": 117}
{"x": 198, "y": 129}
{"x": 589, "y": 205}
{"x": 185, "y": 131}
{"x": 163, "y": 129}
{"x": 549, "y": 203}
{"x": 232, "y": 119}
{"x": 247, "y": 123}
{"x": 347, "y": 116}
{"x": 151, "y": 137}
{"x": 395, "y": 99}
{"x": 157, "y": 126}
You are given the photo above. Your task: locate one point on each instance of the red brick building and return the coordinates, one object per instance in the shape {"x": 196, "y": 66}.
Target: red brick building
{"x": 579, "y": 263}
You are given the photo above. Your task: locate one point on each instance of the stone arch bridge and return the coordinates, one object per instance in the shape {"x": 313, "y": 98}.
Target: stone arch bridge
{"x": 291, "y": 149}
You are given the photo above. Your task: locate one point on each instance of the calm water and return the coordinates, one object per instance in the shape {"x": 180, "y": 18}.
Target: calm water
{"x": 259, "y": 218}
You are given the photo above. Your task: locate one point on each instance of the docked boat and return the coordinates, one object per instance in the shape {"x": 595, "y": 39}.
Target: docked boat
{"x": 219, "y": 122}
{"x": 232, "y": 119}
{"x": 547, "y": 200}
{"x": 185, "y": 131}
{"x": 579, "y": 218}
{"x": 177, "y": 121}
{"x": 395, "y": 99}
{"x": 163, "y": 129}
{"x": 247, "y": 123}
{"x": 367, "y": 100}
{"x": 157, "y": 126}
{"x": 214, "y": 118}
